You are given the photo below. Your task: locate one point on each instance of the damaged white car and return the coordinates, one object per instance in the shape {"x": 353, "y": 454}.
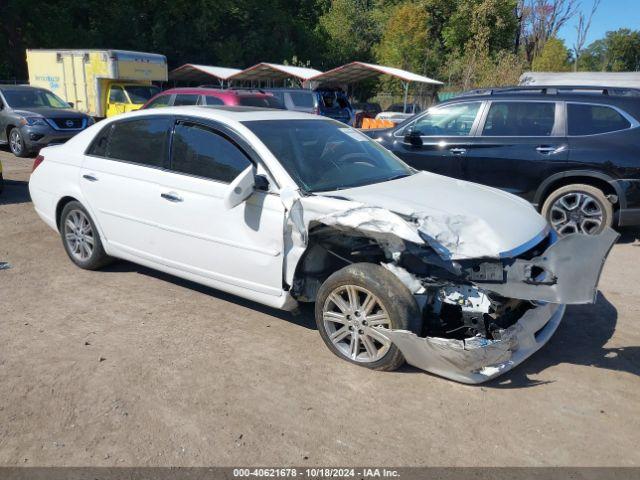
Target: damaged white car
{"x": 282, "y": 207}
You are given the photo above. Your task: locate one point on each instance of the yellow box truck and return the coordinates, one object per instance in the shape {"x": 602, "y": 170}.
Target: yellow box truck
{"x": 101, "y": 83}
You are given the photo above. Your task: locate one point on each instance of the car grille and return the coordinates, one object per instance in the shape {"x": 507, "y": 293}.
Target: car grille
{"x": 67, "y": 123}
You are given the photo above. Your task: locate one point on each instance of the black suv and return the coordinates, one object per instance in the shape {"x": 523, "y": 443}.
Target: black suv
{"x": 573, "y": 152}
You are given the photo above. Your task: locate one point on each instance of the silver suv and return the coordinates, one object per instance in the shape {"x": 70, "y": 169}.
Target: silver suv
{"x": 32, "y": 118}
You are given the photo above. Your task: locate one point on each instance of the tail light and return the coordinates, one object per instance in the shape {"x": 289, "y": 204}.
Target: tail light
{"x": 36, "y": 163}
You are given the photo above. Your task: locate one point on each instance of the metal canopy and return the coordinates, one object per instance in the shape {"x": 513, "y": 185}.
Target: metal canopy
{"x": 357, "y": 71}
{"x": 190, "y": 72}
{"x": 274, "y": 71}
{"x": 596, "y": 79}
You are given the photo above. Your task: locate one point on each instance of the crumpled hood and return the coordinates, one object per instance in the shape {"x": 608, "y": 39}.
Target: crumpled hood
{"x": 460, "y": 219}
{"x": 49, "y": 112}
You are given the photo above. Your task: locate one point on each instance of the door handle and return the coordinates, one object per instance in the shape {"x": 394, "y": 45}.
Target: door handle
{"x": 549, "y": 150}
{"x": 458, "y": 151}
{"x": 171, "y": 196}
{"x": 89, "y": 177}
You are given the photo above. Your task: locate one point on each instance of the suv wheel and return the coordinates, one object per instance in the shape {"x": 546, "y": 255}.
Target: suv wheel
{"x": 578, "y": 208}
{"x": 353, "y": 304}
{"x": 16, "y": 143}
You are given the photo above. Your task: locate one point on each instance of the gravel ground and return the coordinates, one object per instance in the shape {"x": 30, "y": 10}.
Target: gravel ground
{"x": 131, "y": 367}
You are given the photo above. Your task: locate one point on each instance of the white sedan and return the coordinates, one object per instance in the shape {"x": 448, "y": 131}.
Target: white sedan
{"x": 282, "y": 207}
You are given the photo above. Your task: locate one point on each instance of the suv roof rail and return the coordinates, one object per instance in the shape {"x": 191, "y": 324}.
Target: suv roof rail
{"x": 247, "y": 89}
{"x": 554, "y": 90}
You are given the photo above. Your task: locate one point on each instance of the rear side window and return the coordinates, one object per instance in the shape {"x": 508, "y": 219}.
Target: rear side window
{"x": 199, "y": 150}
{"x": 593, "y": 119}
{"x": 522, "y": 119}
{"x": 161, "y": 101}
{"x": 266, "y": 101}
{"x": 301, "y": 99}
{"x": 185, "y": 99}
{"x": 211, "y": 100}
{"x": 141, "y": 141}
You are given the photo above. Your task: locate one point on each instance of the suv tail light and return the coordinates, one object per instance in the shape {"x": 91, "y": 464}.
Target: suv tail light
{"x": 39, "y": 159}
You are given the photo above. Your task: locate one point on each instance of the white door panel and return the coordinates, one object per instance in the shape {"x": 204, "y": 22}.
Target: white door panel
{"x": 241, "y": 246}
{"x": 122, "y": 198}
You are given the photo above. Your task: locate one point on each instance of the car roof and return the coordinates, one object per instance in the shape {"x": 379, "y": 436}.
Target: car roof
{"x": 20, "y": 87}
{"x": 213, "y": 92}
{"x": 227, "y": 113}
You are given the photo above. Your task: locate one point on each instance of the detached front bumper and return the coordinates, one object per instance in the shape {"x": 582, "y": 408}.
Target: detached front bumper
{"x": 476, "y": 360}
{"x": 567, "y": 272}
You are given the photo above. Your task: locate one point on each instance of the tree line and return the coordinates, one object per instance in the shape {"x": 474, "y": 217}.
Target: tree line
{"x": 465, "y": 43}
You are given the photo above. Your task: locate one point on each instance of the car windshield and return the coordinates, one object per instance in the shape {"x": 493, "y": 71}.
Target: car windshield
{"x": 33, "y": 98}
{"x": 141, "y": 93}
{"x": 325, "y": 155}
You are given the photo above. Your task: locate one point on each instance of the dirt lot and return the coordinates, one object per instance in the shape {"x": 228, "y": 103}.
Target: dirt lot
{"x": 131, "y": 367}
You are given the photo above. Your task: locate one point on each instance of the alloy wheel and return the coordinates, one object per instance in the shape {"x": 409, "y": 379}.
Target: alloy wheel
{"x": 79, "y": 235}
{"x": 15, "y": 142}
{"x": 352, "y": 316}
{"x": 576, "y": 212}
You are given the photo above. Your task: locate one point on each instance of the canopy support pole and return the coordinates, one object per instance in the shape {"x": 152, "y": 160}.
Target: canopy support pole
{"x": 406, "y": 94}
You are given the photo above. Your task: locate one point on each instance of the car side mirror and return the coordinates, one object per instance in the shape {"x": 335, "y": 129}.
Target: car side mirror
{"x": 71, "y": 104}
{"x": 413, "y": 138}
{"x": 241, "y": 188}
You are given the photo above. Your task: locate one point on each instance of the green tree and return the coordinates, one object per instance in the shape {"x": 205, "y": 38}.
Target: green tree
{"x": 554, "y": 57}
{"x": 351, "y": 28}
{"x": 619, "y": 51}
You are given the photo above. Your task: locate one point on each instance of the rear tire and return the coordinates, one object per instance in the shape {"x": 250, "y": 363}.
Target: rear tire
{"x": 353, "y": 302}
{"x": 81, "y": 239}
{"x": 578, "y": 208}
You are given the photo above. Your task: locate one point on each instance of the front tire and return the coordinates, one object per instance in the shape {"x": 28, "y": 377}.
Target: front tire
{"x": 578, "y": 208}
{"x": 80, "y": 238}
{"x": 16, "y": 143}
{"x": 353, "y": 303}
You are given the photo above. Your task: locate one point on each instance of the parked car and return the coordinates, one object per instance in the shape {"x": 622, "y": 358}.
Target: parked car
{"x": 573, "y": 152}
{"x": 328, "y": 102}
{"x": 364, "y": 110}
{"x": 32, "y": 118}
{"x": 284, "y": 207}
{"x": 212, "y": 96}
{"x": 398, "y": 113}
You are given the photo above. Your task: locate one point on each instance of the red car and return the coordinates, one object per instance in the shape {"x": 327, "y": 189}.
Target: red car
{"x": 213, "y": 96}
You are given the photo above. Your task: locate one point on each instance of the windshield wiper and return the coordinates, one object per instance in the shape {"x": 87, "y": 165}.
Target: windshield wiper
{"x": 397, "y": 177}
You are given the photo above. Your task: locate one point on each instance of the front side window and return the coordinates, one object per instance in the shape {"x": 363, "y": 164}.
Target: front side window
{"x": 116, "y": 95}
{"x": 185, "y": 99}
{"x": 158, "y": 102}
{"x": 198, "y": 150}
{"x": 142, "y": 141}
{"x": 325, "y": 155}
{"x": 451, "y": 120}
{"x": 593, "y": 119}
{"x": 520, "y": 119}
{"x": 33, "y": 98}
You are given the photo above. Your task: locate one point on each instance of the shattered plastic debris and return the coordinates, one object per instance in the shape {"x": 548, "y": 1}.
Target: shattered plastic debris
{"x": 5, "y": 265}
